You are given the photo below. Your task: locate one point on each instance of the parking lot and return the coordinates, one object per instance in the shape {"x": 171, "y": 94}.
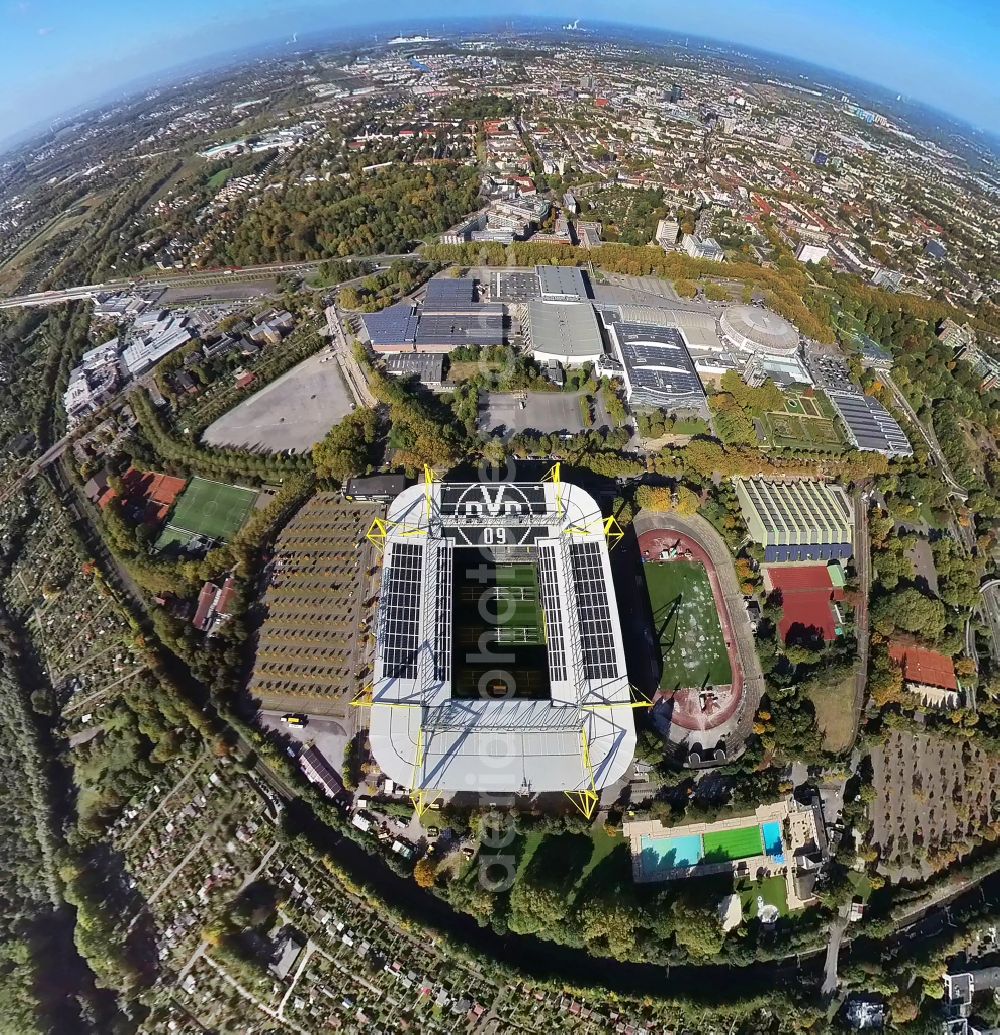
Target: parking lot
{"x": 294, "y": 412}
{"x": 544, "y": 412}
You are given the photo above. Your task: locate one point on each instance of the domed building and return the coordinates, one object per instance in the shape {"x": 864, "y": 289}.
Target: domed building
{"x": 749, "y": 329}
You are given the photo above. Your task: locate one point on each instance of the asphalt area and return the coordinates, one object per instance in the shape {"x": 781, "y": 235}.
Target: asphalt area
{"x": 544, "y": 412}
{"x": 294, "y": 412}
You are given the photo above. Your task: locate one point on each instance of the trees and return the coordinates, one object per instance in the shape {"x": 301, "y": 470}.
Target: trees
{"x": 911, "y": 611}
{"x": 348, "y": 449}
{"x": 696, "y": 926}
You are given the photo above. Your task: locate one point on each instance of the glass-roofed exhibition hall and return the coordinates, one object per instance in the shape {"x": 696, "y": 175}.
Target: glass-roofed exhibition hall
{"x": 499, "y": 666}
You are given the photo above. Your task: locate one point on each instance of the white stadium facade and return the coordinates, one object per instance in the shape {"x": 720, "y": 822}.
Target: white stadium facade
{"x": 499, "y": 667}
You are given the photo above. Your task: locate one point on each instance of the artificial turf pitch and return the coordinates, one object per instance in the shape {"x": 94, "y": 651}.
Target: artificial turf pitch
{"x": 741, "y": 843}
{"x": 213, "y": 510}
{"x": 687, "y": 626}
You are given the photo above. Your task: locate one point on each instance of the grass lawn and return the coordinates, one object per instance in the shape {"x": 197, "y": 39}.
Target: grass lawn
{"x": 687, "y": 626}
{"x": 211, "y": 509}
{"x": 741, "y": 843}
{"x": 217, "y": 181}
{"x": 773, "y": 890}
{"x": 834, "y": 713}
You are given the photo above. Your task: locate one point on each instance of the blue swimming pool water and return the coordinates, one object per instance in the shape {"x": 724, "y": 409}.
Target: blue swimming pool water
{"x": 667, "y": 853}
{"x": 772, "y": 840}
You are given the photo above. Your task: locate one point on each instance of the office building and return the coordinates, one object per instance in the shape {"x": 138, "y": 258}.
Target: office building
{"x": 698, "y": 248}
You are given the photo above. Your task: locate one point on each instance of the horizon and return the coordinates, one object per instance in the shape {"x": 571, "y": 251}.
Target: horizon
{"x": 254, "y": 32}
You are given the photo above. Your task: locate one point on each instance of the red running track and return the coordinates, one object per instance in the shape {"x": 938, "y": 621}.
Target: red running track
{"x": 722, "y": 705}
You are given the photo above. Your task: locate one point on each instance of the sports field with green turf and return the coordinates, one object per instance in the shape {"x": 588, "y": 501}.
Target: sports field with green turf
{"x": 686, "y": 624}
{"x": 500, "y": 603}
{"x": 208, "y": 510}
{"x": 741, "y": 843}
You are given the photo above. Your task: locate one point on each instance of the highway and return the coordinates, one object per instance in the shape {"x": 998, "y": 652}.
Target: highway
{"x": 184, "y": 278}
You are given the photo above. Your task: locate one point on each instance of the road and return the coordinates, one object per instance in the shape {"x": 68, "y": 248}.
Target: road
{"x": 862, "y": 564}
{"x": 929, "y": 437}
{"x": 353, "y": 374}
{"x": 183, "y": 278}
{"x": 837, "y": 928}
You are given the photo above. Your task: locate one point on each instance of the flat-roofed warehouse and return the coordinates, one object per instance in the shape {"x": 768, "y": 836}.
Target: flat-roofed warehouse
{"x": 499, "y": 666}
{"x": 448, "y": 316}
{"x": 657, "y": 368}
{"x": 870, "y": 425}
{"x": 561, "y": 284}
{"x": 566, "y": 332}
{"x": 797, "y": 520}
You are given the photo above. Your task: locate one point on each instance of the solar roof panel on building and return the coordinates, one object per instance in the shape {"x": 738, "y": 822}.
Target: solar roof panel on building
{"x": 449, "y": 292}
{"x": 870, "y": 424}
{"x": 396, "y": 325}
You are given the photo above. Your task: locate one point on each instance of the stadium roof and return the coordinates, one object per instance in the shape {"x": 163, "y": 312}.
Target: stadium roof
{"x": 869, "y": 425}
{"x": 566, "y": 331}
{"x": 580, "y": 738}
{"x": 562, "y": 283}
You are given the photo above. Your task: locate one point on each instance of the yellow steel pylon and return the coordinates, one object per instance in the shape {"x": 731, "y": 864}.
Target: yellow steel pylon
{"x": 364, "y": 697}
{"x": 613, "y": 532}
{"x": 378, "y": 531}
{"x": 585, "y": 800}
{"x": 428, "y": 482}
{"x": 553, "y": 476}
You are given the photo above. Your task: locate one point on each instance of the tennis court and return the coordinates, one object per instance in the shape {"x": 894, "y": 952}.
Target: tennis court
{"x": 207, "y": 511}
{"x": 741, "y": 843}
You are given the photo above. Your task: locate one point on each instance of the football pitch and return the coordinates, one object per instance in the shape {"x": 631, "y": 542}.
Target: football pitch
{"x": 499, "y": 606}
{"x": 208, "y": 511}
{"x": 687, "y": 626}
{"x": 741, "y": 843}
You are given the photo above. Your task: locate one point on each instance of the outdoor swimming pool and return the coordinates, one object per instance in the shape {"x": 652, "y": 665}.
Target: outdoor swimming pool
{"x": 669, "y": 853}
{"x": 660, "y": 854}
{"x": 772, "y": 841}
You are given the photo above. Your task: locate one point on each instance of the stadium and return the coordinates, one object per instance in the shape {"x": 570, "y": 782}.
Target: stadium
{"x": 499, "y": 667}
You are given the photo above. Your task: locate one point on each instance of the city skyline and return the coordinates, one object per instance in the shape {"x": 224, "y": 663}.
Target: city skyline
{"x": 942, "y": 59}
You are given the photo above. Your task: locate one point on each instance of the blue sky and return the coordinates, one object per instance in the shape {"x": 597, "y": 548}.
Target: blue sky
{"x": 55, "y": 54}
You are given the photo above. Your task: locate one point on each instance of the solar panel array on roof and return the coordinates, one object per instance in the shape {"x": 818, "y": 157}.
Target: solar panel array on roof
{"x": 481, "y": 325}
{"x": 400, "y": 606}
{"x": 396, "y": 325}
{"x": 869, "y": 425}
{"x": 658, "y": 365}
{"x": 448, "y": 293}
{"x": 597, "y": 640}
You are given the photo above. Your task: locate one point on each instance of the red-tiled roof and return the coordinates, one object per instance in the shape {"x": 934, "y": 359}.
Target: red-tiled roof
{"x": 205, "y": 599}
{"x": 922, "y": 665}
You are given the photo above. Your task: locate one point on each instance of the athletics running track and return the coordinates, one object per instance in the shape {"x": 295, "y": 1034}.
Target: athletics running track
{"x": 734, "y": 707}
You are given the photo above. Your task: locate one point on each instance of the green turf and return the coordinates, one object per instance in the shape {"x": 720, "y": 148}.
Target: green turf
{"x": 499, "y": 607}
{"x": 741, "y": 843}
{"x": 687, "y": 625}
{"x": 773, "y": 890}
{"x": 217, "y": 181}
{"x": 173, "y": 540}
{"x": 212, "y": 509}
